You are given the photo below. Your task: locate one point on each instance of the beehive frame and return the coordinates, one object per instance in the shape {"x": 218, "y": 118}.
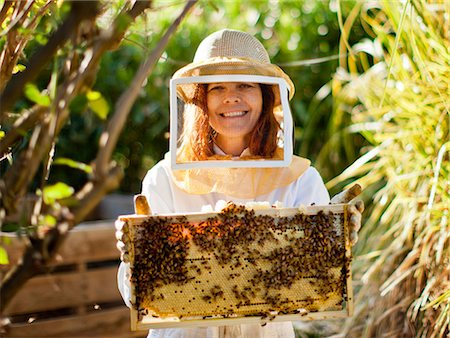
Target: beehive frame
{"x": 240, "y": 266}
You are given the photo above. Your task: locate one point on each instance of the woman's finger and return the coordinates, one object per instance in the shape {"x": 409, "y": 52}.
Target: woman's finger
{"x": 347, "y": 195}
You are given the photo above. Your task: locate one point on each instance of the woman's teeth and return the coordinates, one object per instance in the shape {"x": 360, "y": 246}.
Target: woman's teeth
{"x": 234, "y": 114}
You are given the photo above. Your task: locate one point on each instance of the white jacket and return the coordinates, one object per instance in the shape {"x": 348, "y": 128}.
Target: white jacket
{"x": 165, "y": 197}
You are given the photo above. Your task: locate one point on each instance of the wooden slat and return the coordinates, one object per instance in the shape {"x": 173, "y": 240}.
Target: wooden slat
{"x": 102, "y": 323}
{"x": 69, "y": 289}
{"x": 160, "y": 323}
{"x": 91, "y": 242}
{"x": 87, "y": 242}
{"x": 273, "y": 212}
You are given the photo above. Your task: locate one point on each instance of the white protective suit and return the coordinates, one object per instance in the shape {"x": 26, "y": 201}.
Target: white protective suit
{"x": 165, "y": 197}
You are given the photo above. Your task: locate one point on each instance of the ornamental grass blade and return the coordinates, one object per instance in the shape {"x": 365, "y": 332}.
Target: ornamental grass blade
{"x": 398, "y": 100}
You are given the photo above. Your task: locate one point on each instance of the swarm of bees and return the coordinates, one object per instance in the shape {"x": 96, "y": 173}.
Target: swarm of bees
{"x": 239, "y": 263}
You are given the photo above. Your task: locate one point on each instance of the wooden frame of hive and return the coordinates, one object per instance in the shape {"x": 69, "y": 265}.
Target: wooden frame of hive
{"x": 240, "y": 266}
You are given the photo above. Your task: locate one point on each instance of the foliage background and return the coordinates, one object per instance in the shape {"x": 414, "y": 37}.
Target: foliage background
{"x": 296, "y": 34}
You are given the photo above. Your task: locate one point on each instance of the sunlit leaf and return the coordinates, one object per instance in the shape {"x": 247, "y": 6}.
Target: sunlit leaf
{"x": 41, "y": 39}
{"x": 18, "y": 68}
{"x": 3, "y": 256}
{"x": 47, "y": 220}
{"x": 93, "y": 95}
{"x": 56, "y": 191}
{"x": 98, "y": 104}
{"x": 33, "y": 94}
{"x": 73, "y": 164}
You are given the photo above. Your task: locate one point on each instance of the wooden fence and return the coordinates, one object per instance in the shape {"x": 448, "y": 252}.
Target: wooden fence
{"x": 78, "y": 296}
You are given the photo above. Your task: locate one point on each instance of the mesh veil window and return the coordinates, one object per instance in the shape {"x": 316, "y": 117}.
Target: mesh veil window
{"x": 282, "y": 113}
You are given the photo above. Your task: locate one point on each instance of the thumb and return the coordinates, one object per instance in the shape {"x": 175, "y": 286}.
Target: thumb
{"x": 347, "y": 195}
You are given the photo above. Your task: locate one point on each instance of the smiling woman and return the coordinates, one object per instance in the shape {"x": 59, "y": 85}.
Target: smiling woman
{"x": 235, "y": 107}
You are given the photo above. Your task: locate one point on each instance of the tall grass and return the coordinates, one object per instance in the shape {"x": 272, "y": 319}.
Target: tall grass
{"x": 395, "y": 87}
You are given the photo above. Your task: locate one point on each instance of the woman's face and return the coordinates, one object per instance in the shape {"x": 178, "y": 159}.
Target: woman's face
{"x": 234, "y": 108}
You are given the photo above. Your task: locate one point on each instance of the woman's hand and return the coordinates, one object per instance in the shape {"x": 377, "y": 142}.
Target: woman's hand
{"x": 355, "y": 209}
{"x": 123, "y": 240}
{"x": 141, "y": 207}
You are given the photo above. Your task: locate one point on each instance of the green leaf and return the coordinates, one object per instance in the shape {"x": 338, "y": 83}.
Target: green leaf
{"x": 18, "y": 68}
{"x": 57, "y": 191}
{"x": 41, "y": 39}
{"x": 33, "y": 94}
{"x": 3, "y": 256}
{"x": 9, "y": 227}
{"x": 98, "y": 104}
{"x": 73, "y": 164}
{"x": 47, "y": 220}
{"x": 122, "y": 22}
{"x": 93, "y": 95}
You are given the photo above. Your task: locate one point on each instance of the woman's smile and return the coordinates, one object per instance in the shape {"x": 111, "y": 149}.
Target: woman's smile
{"x": 233, "y": 114}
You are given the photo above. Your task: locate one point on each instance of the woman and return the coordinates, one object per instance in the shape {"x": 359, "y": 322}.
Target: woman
{"x": 229, "y": 120}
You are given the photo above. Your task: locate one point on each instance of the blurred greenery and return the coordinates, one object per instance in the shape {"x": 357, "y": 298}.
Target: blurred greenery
{"x": 297, "y": 34}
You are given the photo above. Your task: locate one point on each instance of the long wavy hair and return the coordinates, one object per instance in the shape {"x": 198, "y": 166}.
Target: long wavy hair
{"x": 197, "y": 139}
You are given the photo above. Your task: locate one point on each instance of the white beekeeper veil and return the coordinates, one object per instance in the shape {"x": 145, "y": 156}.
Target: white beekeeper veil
{"x": 231, "y": 56}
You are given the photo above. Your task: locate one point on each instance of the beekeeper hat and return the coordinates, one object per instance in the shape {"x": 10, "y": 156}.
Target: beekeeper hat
{"x": 230, "y": 52}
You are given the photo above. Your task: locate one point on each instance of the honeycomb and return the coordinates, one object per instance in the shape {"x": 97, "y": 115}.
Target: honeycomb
{"x": 239, "y": 263}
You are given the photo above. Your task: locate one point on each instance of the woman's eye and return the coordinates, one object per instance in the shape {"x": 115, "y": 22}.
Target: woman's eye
{"x": 246, "y": 85}
{"x": 214, "y": 88}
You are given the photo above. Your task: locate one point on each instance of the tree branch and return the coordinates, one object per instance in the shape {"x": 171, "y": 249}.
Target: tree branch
{"x": 93, "y": 192}
{"x": 15, "y": 43}
{"x": 21, "y": 10}
{"x": 4, "y": 11}
{"x": 22, "y": 171}
{"x": 26, "y": 122}
{"x": 17, "y": 276}
{"x": 81, "y": 10}
{"x": 109, "y": 138}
